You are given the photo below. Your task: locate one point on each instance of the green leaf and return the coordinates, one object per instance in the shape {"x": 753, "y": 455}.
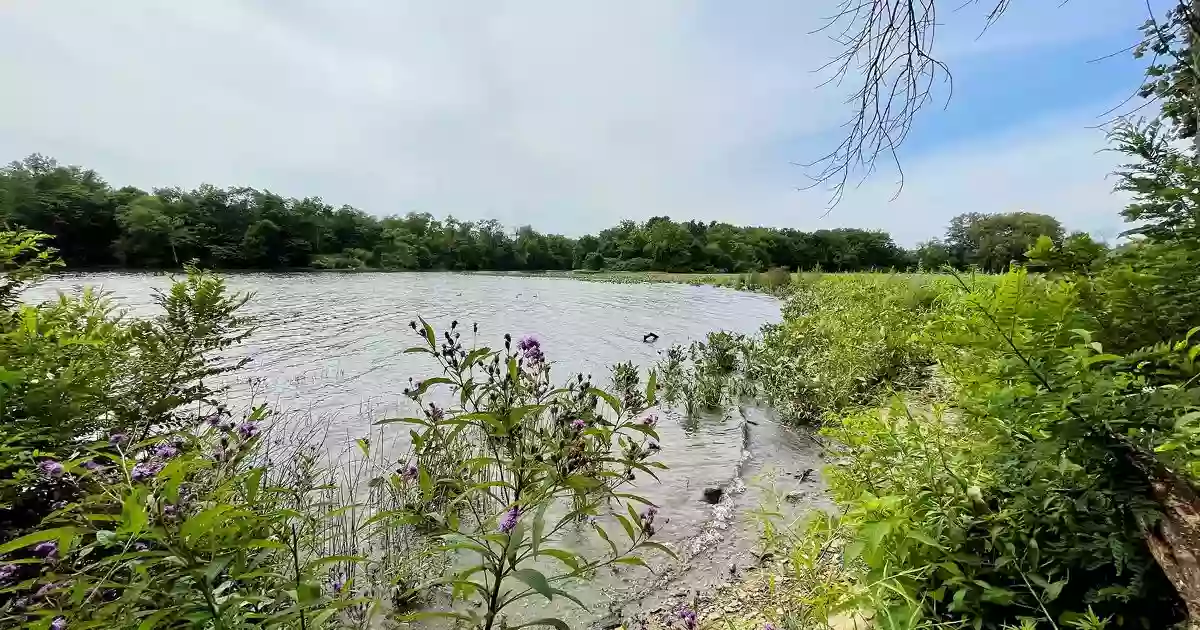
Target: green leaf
{"x": 604, "y": 535}
{"x": 539, "y": 527}
{"x": 515, "y": 538}
{"x": 151, "y": 622}
{"x": 29, "y": 540}
{"x": 263, "y": 543}
{"x": 633, "y": 497}
{"x": 626, "y": 525}
{"x": 607, "y": 397}
{"x": 425, "y": 482}
{"x": 923, "y": 538}
{"x": 1100, "y": 358}
{"x": 566, "y": 557}
{"x": 475, "y": 355}
{"x": 661, "y": 547}
{"x": 1053, "y": 590}
{"x": 420, "y": 421}
{"x": 632, "y": 560}
{"x": 133, "y": 514}
{"x": 651, "y": 388}
{"x": 426, "y": 384}
{"x": 253, "y": 480}
{"x": 429, "y": 336}
{"x": 201, "y": 523}
{"x": 536, "y": 581}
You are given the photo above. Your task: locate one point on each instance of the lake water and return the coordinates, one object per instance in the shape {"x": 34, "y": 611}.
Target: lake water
{"x": 331, "y": 345}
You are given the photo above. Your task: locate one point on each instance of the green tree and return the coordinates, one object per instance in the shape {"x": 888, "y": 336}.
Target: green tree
{"x": 994, "y": 241}
{"x": 150, "y": 235}
{"x": 594, "y": 261}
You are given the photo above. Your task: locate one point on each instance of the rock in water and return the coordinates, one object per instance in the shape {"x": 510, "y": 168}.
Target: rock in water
{"x": 794, "y": 496}
{"x": 713, "y": 495}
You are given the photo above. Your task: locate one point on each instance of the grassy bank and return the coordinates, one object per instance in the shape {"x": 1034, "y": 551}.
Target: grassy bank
{"x": 1010, "y": 451}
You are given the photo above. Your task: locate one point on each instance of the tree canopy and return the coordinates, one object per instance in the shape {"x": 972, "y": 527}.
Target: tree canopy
{"x": 95, "y": 225}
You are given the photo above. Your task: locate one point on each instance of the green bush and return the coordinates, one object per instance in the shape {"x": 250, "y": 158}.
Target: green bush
{"x": 594, "y": 261}
{"x": 630, "y": 264}
{"x": 1034, "y": 496}
{"x": 777, "y": 278}
{"x": 846, "y": 339}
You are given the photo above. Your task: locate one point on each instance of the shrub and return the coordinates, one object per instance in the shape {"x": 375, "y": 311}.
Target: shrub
{"x": 630, "y": 264}
{"x": 594, "y": 261}
{"x": 846, "y": 339}
{"x": 486, "y": 472}
{"x": 1035, "y": 496}
{"x": 777, "y": 278}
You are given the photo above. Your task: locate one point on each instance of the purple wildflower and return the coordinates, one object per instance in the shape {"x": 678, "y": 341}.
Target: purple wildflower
{"x": 689, "y": 619}
{"x": 118, "y": 438}
{"x": 170, "y": 510}
{"x": 338, "y": 584}
{"x": 648, "y": 520}
{"x": 650, "y": 420}
{"x": 531, "y": 349}
{"x": 578, "y": 424}
{"x": 7, "y": 571}
{"x": 411, "y": 472}
{"x": 59, "y": 623}
{"x": 247, "y": 430}
{"x": 48, "y": 549}
{"x": 91, "y": 464}
{"x": 51, "y": 468}
{"x": 46, "y": 590}
{"x": 768, "y": 626}
{"x": 509, "y": 521}
{"x": 166, "y": 451}
{"x": 146, "y": 471}
{"x": 213, "y": 420}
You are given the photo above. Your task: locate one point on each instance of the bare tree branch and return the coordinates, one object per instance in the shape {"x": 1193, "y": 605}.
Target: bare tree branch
{"x": 888, "y": 47}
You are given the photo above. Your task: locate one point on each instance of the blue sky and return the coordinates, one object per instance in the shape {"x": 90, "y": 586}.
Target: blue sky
{"x": 565, "y": 115}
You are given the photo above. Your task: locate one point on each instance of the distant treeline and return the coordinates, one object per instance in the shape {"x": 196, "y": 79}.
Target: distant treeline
{"x": 96, "y": 225}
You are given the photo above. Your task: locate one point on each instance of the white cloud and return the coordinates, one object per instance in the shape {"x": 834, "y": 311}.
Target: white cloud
{"x": 565, "y": 115}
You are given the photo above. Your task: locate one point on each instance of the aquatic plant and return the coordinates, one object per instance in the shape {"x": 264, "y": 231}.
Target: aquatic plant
{"x": 709, "y": 374}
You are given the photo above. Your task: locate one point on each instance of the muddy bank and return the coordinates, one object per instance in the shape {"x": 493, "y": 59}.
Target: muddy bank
{"x": 779, "y": 467}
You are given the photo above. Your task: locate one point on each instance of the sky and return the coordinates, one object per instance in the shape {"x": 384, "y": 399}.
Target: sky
{"x": 565, "y": 115}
